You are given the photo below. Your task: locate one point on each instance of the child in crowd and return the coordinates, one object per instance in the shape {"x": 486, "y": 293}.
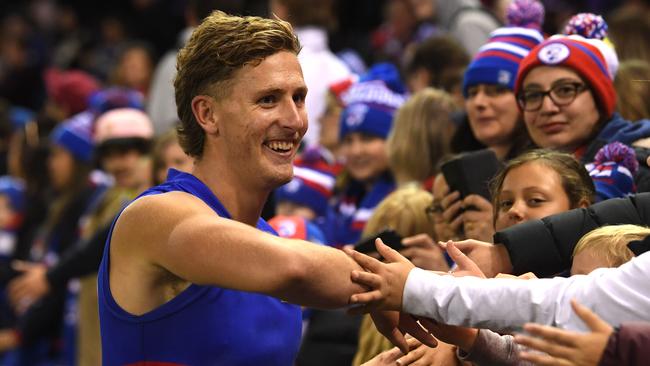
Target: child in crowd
{"x": 537, "y": 184}
{"x": 365, "y": 124}
{"x": 167, "y": 153}
{"x": 534, "y": 185}
{"x": 606, "y": 247}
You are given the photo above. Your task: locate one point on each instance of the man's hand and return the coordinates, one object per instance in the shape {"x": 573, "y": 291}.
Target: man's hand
{"x": 566, "y": 348}
{"x": 29, "y": 287}
{"x": 492, "y": 259}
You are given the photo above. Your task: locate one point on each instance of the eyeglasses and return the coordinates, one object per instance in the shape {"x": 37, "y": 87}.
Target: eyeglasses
{"x": 561, "y": 94}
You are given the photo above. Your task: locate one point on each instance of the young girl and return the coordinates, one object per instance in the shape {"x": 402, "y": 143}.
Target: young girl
{"x": 534, "y": 185}
{"x": 537, "y": 184}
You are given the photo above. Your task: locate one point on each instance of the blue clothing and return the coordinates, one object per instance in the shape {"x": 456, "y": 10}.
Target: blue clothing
{"x": 203, "y": 325}
{"x": 617, "y": 129}
{"x": 356, "y": 206}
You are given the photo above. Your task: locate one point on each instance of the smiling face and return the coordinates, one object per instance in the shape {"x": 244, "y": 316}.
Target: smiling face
{"x": 260, "y": 121}
{"x": 493, "y": 114}
{"x": 530, "y": 191}
{"x": 560, "y": 127}
{"x": 365, "y": 156}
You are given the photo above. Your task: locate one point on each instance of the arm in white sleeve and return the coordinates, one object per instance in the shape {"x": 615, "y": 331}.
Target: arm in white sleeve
{"x": 616, "y": 294}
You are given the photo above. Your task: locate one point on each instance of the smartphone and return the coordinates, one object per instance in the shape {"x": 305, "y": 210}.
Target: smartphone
{"x": 389, "y": 236}
{"x": 470, "y": 173}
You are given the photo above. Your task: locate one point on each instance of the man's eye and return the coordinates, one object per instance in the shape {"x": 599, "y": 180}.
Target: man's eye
{"x": 299, "y": 98}
{"x": 269, "y": 99}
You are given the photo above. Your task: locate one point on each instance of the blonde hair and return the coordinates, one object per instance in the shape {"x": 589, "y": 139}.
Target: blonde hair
{"x": 420, "y": 135}
{"x": 610, "y": 242}
{"x": 218, "y": 47}
{"x": 632, "y": 85}
{"x": 405, "y": 211}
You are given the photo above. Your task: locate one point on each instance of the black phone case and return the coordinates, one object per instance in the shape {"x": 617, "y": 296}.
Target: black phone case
{"x": 389, "y": 237}
{"x": 470, "y": 173}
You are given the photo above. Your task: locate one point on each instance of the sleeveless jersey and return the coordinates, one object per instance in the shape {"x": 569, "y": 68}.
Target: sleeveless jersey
{"x": 203, "y": 325}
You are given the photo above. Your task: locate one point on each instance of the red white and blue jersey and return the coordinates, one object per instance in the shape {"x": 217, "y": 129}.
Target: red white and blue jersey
{"x": 356, "y": 206}
{"x": 203, "y": 325}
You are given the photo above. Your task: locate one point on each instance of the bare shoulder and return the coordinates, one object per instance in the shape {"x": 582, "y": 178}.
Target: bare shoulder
{"x": 139, "y": 281}
{"x": 148, "y": 221}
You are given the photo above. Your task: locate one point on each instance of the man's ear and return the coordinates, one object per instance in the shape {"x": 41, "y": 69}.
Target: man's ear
{"x": 203, "y": 107}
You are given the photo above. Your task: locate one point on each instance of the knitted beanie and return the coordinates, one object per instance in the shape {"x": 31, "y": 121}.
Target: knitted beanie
{"x": 75, "y": 135}
{"x": 497, "y": 61}
{"x": 123, "y": 123}
{"x": 613, "y": 171}
{"x": 577, "y": 54}
{"x": 70, "y": 89}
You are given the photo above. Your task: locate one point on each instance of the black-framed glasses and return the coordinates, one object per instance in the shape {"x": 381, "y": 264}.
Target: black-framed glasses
{"x": 561, "y": 94}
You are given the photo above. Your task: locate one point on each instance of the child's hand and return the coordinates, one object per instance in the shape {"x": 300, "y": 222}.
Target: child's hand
{"x": 384, "y": 280}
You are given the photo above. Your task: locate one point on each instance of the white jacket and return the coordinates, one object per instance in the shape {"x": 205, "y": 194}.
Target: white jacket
{"x": 616, "y": 294}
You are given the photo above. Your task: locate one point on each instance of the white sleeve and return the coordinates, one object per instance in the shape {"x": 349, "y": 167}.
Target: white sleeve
{"x": 616, "y": 294}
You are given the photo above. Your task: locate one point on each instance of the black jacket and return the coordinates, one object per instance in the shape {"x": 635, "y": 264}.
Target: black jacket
{"x": 545, "y": 246}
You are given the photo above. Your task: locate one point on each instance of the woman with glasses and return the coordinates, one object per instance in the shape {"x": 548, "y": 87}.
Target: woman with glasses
{"x": 568, "y": 101}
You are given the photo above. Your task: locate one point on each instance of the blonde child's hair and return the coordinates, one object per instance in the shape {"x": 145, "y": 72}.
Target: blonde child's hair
{"x": 405, "y": 211}
{"x": 610, "y": 242}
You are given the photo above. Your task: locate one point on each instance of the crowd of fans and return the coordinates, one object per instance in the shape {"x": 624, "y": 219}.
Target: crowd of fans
{"x": 558, "y": 92}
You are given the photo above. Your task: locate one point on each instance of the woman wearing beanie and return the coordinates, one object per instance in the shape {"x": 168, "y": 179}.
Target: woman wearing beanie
{"x": 493, "y": 118}
{"x": 567, "y": 96}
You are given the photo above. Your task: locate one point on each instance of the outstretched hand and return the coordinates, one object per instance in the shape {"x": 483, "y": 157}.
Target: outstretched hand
{"x": 567, "y": 348}
{"x": 384, "y": 280}
{"x": 395, "y": 325}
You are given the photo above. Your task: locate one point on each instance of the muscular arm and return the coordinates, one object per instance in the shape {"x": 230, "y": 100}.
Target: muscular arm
{"x": 175, "y": 233}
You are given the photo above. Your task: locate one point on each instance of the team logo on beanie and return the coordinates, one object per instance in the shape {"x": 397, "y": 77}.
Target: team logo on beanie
{"x": 356, "y": 115}
{"x": 554, "y": 53}
{"x": 504, "y": 77}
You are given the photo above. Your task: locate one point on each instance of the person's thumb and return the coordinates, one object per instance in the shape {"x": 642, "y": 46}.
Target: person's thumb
{"x": 462, "y": 261}
{"x": 389, "y": 254}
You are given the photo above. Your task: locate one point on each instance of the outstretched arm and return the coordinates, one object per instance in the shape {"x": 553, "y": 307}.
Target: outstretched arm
{"x": 175, "y": 235}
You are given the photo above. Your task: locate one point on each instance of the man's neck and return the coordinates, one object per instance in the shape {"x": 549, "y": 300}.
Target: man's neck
{"x": 243, "y": 203}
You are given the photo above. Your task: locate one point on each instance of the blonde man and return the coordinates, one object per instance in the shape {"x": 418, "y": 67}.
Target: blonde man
{"x": 191, "y": 274}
